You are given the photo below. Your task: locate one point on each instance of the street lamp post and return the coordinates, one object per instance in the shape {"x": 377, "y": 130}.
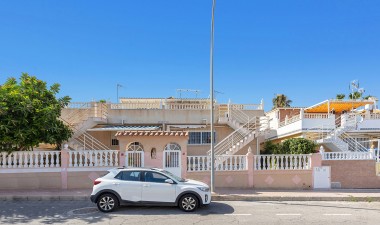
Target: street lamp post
{"x": 212, "y": 98}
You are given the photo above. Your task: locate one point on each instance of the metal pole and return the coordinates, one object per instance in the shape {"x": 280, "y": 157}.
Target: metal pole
{"x": 117, "y": 93}
{"x": 212, "y": 98}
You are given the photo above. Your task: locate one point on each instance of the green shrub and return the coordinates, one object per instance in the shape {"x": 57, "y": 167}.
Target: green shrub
{"x": 290, "y": 146}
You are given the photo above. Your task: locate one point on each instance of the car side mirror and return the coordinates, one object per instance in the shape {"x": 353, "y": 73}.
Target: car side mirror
{"x": 169, "y": 181}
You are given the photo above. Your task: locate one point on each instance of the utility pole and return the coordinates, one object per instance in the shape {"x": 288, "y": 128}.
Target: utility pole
{"x": 212, "y": 98}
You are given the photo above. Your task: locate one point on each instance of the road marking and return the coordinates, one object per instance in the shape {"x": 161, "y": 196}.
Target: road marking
{"x": 237, "y": 214}
{"x": 288, "y": 214}
{"x": 338, "y": 214}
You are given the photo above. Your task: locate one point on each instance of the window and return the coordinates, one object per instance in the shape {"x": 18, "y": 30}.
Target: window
{"x": 135, "y": 147}
{"x": 200, "y": 138}
{"x": 114, "y": 142}
{"x": 155, "y": 177}
{"x": 129, "y": 175}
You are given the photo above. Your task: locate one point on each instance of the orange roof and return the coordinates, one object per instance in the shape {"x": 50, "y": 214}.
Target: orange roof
{"x": 337, "y": 105}
{"x": 152, "y": 133}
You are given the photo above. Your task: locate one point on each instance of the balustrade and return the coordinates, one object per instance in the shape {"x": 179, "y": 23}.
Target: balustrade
{"x": 347, "y": 156}
{"x": 282, "y": 162}
{"x": 94, "y": 158}
{"x": 222, "y": 163}
{"x": 30, "y": 159}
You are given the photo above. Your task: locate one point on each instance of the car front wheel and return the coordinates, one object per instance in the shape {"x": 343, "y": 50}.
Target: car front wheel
{"x": 188, "y": 203}
{"x": 107, "y": 203}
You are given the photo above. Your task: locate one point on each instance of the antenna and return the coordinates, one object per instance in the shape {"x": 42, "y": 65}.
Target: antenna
{"x": 354, "y": 87}
{"x": 188, "y": 90}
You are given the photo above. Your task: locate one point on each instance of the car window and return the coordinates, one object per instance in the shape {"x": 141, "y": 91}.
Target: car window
{"x": 129, "y": 175}
{"x": 155, "y": 177}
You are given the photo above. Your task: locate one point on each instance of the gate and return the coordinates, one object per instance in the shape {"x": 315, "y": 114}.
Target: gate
{"x": 134, "y": 156}
{"x": 172, "y": 158}
{"x": 134, "y": 159}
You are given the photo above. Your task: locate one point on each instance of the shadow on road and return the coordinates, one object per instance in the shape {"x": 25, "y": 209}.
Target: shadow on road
{"x": 213, "y": 208}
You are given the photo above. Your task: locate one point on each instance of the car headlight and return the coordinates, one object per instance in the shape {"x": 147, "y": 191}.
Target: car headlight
{"x": 205, "y": 189}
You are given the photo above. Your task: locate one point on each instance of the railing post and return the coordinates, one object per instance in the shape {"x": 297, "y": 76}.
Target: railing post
{"x": 121, "y": 158}
{"x": 315, "y": 160}
{"x": 250, "y": 167}
{"x": 64, "y": 165}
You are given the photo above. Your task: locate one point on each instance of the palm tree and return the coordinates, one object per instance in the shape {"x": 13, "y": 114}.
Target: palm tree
{"x": 340, "y": 96}
{"x": 355, "y": 95}
{"x": 281, "y": 101}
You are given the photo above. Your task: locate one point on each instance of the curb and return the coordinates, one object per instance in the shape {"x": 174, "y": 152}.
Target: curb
{"x": 44, "y": 198}
{"x": 293, "y": 198}
{"x": 214, "y": 198}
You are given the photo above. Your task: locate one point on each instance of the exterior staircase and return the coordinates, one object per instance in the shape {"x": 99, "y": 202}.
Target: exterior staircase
{"x": 80, "y": 117}
{"x": 246, "y": 127}
{"x": 338, "y": 140}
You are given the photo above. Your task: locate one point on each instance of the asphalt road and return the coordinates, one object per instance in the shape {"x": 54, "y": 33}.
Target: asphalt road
{"x": 239, "y": 212}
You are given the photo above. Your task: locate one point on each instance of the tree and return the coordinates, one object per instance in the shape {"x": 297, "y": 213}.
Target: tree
{"x": 29, "y": 114}
{"x": 340, "y": 96}
{"x": 355, "y": 95}
{"x": 281, "y": 101}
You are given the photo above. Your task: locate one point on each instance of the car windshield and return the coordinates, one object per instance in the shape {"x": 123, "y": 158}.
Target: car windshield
{"x": 177, "y": 178}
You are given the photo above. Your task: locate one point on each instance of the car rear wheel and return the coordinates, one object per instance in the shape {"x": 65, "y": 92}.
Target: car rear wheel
{"x": 188, "y": 203}
{"x": 107, "y": 203}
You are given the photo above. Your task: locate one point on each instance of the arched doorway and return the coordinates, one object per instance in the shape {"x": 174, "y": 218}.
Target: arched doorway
{"x": 172, "y": 158}
{"x": 134, "y": 155}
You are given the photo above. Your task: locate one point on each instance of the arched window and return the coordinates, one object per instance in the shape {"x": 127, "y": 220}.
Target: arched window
{"x": 135, "y": 147}
{"x": 172, "y": 147}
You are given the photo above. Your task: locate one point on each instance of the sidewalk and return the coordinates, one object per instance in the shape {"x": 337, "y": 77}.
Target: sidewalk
{"x": 222, "y": 194}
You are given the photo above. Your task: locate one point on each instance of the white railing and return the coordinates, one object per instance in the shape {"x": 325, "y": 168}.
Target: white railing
{"x": 316, "y": 116}
{"x": 290, "y": 120}
{"x": 137, "y": 105}
{"x": 236, "y": 137}
{"x": 179, "y": 106}
{"x": 222, "y": 163}
{"x": 30, "y": 159}
{"x": 79, "y": 105}
{"x": 347, "y": 156}
{"x": 282, "y": 162}
{"x": 375, "y": 117}
{"x": 246, "y": 106}
{"x": 94, "y": 158}
{"x": 134, "y": 158}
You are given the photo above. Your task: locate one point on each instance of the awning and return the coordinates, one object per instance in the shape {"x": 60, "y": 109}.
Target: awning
{"x": 337, "y": 105}
{"x": 152, "y": 133}
{"x": 122, "y": 128}
{"x": 188, "y": 126}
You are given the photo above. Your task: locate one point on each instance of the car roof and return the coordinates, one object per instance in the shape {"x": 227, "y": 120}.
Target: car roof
{"x": 135, "y": 168}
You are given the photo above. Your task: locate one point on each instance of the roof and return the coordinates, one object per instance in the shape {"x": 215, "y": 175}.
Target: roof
{"x": 122, "y": 128}
{"x": 152, "y": 133}
{"x": 337, "y": 105}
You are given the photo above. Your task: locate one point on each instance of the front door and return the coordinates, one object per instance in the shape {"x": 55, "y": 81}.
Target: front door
{"x": 154, "y": 189}
{"x": 172, "y": 159}
{"x": 134, "y": 156}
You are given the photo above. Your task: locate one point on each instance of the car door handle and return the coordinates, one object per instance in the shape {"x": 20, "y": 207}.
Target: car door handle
{"x": 146, "y": 185}
{"x": 115, "y": 183}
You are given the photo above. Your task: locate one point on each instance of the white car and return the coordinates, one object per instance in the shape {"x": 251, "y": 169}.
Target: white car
{"x": 141, "y": 186}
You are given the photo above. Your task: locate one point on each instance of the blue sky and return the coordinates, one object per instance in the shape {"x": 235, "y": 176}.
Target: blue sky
{"x": 307, "y": 49}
